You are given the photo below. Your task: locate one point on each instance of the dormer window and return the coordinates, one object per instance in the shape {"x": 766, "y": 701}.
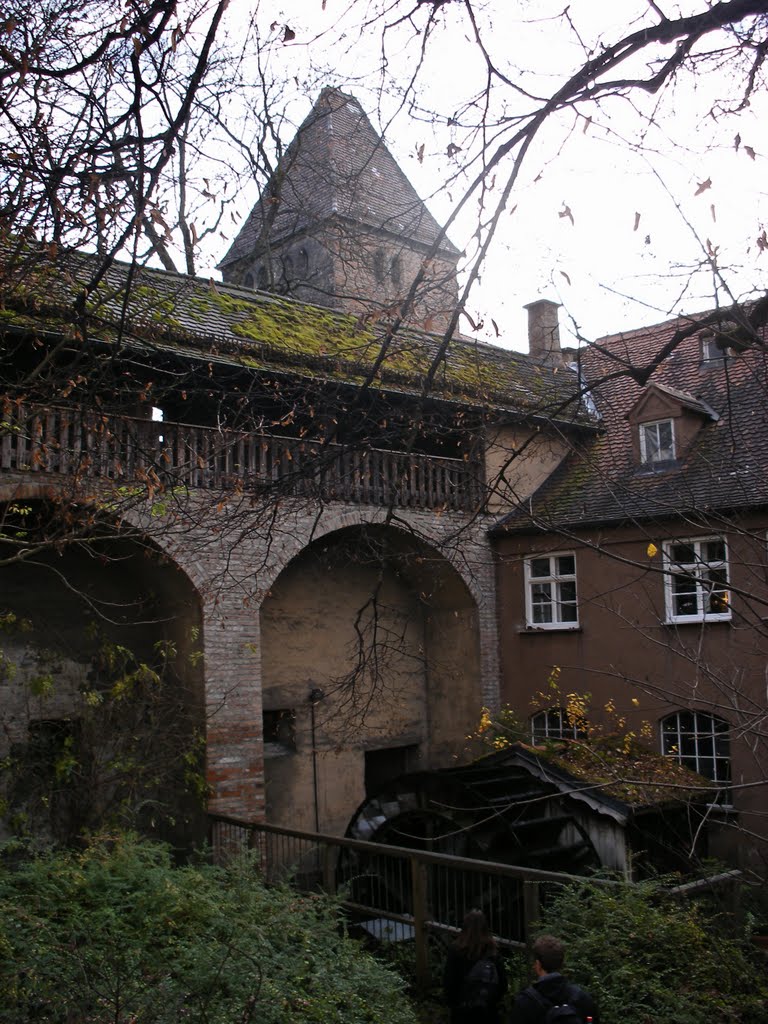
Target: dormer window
{"x": 665, "y": 423}
{"x": 712, "y": 349}
{"x": 657, "y": 441}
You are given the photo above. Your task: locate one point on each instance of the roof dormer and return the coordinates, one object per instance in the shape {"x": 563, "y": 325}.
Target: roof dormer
{"x": 664, "y": 423}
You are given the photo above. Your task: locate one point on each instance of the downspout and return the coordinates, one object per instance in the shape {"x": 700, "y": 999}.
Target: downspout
{"x": 315, "y": 696}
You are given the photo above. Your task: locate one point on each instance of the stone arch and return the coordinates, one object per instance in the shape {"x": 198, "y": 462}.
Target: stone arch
{"x": 384, "y": 627}
{"x": 444, "y": 537}
{"x": 86, "y": 616}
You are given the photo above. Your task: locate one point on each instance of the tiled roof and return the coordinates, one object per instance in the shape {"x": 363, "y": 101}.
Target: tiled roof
{"x": 726, "y": 467}
{"x": 689, "y": 401}
{"x": 198, "y": 318}
{"x": 337, "y": 166}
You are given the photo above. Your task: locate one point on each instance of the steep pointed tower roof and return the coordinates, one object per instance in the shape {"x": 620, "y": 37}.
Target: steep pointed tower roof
{"x": 337, "y": 167}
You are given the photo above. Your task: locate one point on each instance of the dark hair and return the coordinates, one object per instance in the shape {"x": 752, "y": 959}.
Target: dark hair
{"x": 475, "y": 939}
{"x": 550, "y": 952}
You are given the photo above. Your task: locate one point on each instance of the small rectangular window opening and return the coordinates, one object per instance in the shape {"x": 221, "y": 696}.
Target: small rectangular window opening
{"x": 279, "y": 731}
{"x": 713, "y": 349}
{"x": 657, "y": 441}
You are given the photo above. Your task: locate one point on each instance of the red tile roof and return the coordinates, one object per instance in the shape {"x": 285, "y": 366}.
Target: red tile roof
{"x": 726, "y": 467}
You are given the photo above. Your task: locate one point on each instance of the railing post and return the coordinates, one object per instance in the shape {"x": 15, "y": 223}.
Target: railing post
{"x": 419, "y": 885}
{"x": 531, "y": 897}
{"x": 329, "y": 869}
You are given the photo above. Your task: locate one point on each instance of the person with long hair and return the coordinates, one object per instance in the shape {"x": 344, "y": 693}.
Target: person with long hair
{"x": 474, "y": 979}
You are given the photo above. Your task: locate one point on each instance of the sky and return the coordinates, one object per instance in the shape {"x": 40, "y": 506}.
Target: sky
{"x": 613, "y": 217}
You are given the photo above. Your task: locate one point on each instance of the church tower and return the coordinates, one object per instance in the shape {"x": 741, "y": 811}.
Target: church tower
{"x": 340, "y": 225}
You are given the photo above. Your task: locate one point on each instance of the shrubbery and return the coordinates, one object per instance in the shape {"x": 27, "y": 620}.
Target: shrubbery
{"x": 117, "y": 934}
{"x": 651, "y": 959}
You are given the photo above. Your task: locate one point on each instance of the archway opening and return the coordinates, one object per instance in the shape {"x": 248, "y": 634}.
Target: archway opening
{"x": 370, "y": 647}
{"x": 101, "y": 673}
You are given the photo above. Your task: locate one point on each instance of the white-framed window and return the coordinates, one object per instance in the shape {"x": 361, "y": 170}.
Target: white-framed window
{"x": 711, "y": 352}
{"x": 657, "y": 441}
{"x": 699, "y": 741}
{"x": 696, "y": 580}
{"x": 551, "y": 591}
{"x": 714, "y": 348}
{"x": 553, "y": 724}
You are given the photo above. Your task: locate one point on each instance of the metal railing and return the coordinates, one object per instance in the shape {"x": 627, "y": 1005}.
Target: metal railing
{"x": 86, "y": 443}
{"x": 419, "y": 891}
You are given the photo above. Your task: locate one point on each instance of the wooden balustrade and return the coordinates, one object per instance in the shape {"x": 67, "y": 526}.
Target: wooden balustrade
{"x": 88, "y": 444}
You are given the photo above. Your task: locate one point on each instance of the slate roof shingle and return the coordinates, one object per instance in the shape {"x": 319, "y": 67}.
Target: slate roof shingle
{"x": 336, "y": 167}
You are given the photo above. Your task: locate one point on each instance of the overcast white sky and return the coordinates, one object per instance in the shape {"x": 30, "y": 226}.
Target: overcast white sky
{"x": 623, "y": 255}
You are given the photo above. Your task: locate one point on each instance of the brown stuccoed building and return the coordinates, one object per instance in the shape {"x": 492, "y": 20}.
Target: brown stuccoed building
{"x": 637, "y": 572}
{"x": 355, "y": 538}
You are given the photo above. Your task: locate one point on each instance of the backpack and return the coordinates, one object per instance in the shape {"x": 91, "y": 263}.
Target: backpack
{"x": 557, "y": 1013}
{"x": 481, "y": 985}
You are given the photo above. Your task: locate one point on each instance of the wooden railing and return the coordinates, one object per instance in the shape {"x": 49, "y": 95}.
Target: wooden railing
{"x": 414, "y": 894}
{"x": 85, "y": 443}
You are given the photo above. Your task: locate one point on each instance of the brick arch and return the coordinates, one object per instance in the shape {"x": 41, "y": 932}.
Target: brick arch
{"x": 424, "y": 525}
{"x": 417, "y": 688}
{"x": 39, "y": 491}
{"x": 134, "y": 601}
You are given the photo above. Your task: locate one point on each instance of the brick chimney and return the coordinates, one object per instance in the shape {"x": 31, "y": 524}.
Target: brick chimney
{"x": 544, "y": 331}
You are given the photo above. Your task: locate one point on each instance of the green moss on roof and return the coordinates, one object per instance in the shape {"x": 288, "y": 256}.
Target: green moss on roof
{"x": 309, "y": 331}
{"x": 621, "y": 767}
{"x": 269, "y": 331}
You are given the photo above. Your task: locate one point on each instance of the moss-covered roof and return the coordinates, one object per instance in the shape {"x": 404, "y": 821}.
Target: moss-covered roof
{"x": 260, "y": 331}
{"x": 622, "y": 769}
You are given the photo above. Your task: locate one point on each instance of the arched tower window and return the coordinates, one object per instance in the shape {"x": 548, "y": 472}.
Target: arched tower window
{"x": 263, "y": 278}
{"x": 302, "y": 263}
{"x": 378, "y": 266}
{"x": 248, "y": 281}
{"x": 396, "y": 270}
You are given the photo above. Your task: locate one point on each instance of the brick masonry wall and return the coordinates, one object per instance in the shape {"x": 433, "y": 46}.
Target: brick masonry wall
{"x": 233, "y": 573}
{"x": 233, "y": 554}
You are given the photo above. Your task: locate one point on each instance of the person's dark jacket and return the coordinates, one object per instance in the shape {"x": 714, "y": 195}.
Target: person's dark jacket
{"x": 456, "y": 969}
{"x": 555, "y": 989}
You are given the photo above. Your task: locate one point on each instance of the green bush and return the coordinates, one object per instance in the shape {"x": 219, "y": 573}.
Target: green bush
{"x": 117, "y": 934}
{"x": 651, "y": 959}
